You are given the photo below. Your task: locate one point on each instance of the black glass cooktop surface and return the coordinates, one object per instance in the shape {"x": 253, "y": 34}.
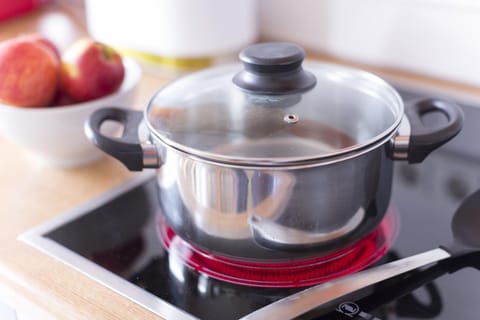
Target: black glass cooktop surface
{"x": 114, "y": 240}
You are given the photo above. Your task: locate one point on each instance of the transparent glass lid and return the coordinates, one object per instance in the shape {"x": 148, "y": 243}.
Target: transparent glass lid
{"x": 213, "y": 115}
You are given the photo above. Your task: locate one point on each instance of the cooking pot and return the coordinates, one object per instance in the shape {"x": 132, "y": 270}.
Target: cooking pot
{"x": 275, "y": 161}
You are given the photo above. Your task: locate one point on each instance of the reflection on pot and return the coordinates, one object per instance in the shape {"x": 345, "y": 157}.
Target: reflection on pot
{"x": 274, "y": 235}
{"x": 222, "y": 201}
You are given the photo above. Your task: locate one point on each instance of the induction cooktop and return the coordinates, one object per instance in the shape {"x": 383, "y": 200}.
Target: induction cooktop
{"x": 114, "y": 239}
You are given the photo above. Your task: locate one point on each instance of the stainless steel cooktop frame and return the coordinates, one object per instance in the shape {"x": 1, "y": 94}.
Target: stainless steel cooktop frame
{"x": 36, "y": 238}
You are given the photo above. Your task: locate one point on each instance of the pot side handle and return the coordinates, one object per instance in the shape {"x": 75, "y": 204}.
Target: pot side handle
{"x": 445, "y": 120}
{"x": 127, "y": 149}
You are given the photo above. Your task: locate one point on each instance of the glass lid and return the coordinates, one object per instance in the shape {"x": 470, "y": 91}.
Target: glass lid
{"x": 273, "y": 110}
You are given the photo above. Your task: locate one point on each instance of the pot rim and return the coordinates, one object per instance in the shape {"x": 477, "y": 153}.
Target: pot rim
{"x": 327, "y": 158}
{"x": 305, "y": 164}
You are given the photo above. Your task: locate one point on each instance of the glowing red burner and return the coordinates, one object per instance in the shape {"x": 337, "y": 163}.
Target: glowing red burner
{"x": 286, "y": 274}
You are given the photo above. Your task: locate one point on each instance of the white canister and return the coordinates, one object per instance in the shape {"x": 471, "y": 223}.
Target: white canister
{"x": 174, "y": 28}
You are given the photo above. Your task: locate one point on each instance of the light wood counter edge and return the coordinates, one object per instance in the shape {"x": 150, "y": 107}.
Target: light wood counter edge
{"x": 61, "y": 291}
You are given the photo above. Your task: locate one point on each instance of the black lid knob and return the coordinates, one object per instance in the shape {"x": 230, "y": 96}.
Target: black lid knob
{"x": 273, "y": 68}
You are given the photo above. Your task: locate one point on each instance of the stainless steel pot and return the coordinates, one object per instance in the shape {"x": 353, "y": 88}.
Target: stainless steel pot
{"x": 273, "y": 161}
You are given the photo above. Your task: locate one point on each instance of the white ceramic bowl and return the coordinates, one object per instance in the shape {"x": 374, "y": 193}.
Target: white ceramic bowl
{"x": 55, "y": 135}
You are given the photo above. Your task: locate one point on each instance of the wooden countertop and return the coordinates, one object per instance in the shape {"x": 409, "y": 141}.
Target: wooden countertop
{"x": 31, "y": 193}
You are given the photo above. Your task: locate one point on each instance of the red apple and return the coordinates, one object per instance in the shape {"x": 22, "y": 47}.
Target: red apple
{"x": 35, "y": 37}
{"x": 29, "y": 73}
{"x": 90, "y": 70}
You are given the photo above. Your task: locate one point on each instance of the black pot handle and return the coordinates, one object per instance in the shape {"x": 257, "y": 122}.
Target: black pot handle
{"x": 426, "y": 137}
{"x": 128, "y": 148}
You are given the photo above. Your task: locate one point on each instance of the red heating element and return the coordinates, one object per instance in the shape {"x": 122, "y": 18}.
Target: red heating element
{"x": 288, "y": 274}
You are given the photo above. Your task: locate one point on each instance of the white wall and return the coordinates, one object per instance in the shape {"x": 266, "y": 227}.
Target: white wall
{"x": 439, "y": 38}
